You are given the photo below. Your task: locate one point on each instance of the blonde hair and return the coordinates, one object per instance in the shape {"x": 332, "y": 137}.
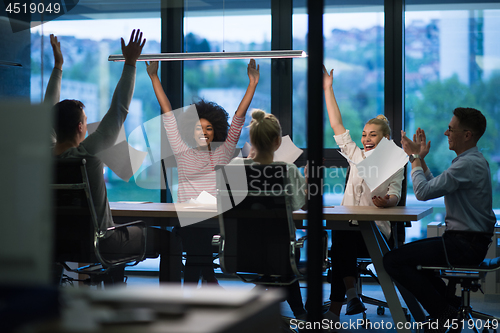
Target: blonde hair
{"x": 264, "y": 129}
{"x": 383, "y": 122}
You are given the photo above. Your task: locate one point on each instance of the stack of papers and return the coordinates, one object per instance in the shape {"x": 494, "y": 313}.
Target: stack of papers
{"x": 204, "y": 198}
{"x": 382, "y": 162}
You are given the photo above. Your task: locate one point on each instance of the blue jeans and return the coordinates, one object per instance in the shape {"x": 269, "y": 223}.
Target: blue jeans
{"x": 462, "y": 248}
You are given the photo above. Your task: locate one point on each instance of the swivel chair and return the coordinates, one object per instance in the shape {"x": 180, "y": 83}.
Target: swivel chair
{"x": 77, "y": 231}
{"x": 469, "y": 278}
{"x": 257, "y": 235}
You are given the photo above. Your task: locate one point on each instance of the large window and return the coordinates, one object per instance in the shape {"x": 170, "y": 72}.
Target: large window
{"x": 225, "y": 81}
{"x": 354, "y": 48}
{"x": 452, "y": 60}
{"x": 88, "y": 76}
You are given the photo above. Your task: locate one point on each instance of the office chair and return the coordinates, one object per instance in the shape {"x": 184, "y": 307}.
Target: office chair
{"x": 257, "y": 241}
{"x": 257, "y": 235}
{"x": 77, "y": 230}
{"x": 469, "y": 278}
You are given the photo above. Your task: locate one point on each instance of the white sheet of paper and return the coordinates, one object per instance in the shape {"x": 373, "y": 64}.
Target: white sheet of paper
{"x": 206, "y": 198}
{"x": 245, "y": 151}
{"x": 288, "y": 151}
{"x": 122, "y": 158}
{"x": 387, "y": 158}
{"x": 347, "y": 158}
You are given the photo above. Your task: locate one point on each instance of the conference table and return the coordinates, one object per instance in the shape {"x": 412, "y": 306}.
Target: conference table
{"x": 336, "y": 218}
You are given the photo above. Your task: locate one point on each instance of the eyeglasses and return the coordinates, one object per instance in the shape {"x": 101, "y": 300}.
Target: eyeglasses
{"x": 451, "y": 130}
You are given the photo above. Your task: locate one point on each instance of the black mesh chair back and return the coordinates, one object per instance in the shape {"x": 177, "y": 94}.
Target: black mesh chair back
{"x": 75, "y": 217}
{"x": 77, "y": 230}
{"x": 257, "y": 234}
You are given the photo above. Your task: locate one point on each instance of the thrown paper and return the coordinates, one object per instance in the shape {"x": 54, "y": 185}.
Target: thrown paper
{"x": 287, "y": 152}
{"x": 123, "y": 159}
{"x": 245, "y": 151}
{"x": 383, "y": 162}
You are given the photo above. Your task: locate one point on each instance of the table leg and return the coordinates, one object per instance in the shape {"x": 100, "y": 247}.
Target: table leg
{"x": 377, "y": 247}
{"x": 410, "y": 300}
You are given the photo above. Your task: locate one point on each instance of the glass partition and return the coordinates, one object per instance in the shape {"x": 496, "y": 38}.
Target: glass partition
{"x": 88, "y": 76}
{"x": 225, "y": 81}
{"x": 354, "y": 48}
{"x": 452, "y": 60}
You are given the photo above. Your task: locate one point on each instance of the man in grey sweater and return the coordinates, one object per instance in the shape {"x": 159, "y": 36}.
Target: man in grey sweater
{"x": 69, "y": 141}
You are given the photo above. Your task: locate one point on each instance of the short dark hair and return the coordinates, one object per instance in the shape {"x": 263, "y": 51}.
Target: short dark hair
{"x": 210, "y": 111}
{"x": 471, "y": 119}
{"x": 68, "y": 114}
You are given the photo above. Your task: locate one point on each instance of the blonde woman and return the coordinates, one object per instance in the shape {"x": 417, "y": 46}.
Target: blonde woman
{"x": 265, "y": 137}
{"x": 347, "y": 246}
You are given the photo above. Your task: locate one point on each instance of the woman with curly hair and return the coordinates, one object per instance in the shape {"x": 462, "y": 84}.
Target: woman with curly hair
{"x": 202, "y": 140}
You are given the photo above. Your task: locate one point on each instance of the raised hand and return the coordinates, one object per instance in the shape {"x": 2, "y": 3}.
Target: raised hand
{"x": 408, "y": 145}
{"x": 327, "y": 78}
{"x": 152, "y": 68}
{"x": 133, "y": 50}
{"x": 420, "y": 139}
{"x": 56, "y": 49}
{"x": 253, "y": 72}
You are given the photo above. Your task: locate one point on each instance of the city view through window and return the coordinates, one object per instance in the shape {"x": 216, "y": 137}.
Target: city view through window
{"x": 452, "y": 58}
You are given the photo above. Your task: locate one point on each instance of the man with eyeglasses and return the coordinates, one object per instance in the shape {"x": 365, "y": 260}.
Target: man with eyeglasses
{"x": 467, "y": 190}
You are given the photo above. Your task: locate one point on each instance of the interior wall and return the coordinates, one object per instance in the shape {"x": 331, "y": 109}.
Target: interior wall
{"x": 14, "y": 49}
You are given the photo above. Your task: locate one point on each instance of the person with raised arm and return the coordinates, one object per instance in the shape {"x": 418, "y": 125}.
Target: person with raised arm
{"x": 470, "y": 220}
{"x": 347, "y": 246}
{"x": 69, "y": 141}
{"x": 199, "y": 143}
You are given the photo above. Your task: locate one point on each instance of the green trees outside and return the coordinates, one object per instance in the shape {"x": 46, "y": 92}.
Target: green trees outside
{"x": 358, "y": 83}
{"x": 432, "y": 107}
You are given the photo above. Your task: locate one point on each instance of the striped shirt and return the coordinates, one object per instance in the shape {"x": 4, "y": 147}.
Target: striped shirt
{"x": 196, "y": 168}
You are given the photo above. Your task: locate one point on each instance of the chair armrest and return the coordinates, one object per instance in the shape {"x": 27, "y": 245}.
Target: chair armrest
{"x": 128, "y": 224}
{"x": 299, "y": 243}
{"x": 216, "y": 240}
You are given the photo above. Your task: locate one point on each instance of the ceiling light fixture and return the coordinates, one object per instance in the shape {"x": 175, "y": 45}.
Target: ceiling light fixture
{"x": 214, "y": 55}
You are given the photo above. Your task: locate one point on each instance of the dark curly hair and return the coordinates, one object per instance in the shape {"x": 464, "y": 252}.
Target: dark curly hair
{"x": 210, "y": 111}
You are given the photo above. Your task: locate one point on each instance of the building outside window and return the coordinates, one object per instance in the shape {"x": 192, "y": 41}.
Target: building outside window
{"x": 452, "y": 60}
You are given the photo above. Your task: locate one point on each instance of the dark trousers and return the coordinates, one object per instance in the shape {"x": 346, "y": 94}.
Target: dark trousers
{"x": 293, "y": 294}
{"x": 159, "y": 241}
{"x": 347, "y": 247}
{"x": 429, "y": 289}
{"x": 197, "y": 243}
{"x": 122, "y": 242}
{"x": 168, "y": 245}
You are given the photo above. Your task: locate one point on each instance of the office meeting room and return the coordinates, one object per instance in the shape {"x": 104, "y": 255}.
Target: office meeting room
{"x": 227, "y": 166}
